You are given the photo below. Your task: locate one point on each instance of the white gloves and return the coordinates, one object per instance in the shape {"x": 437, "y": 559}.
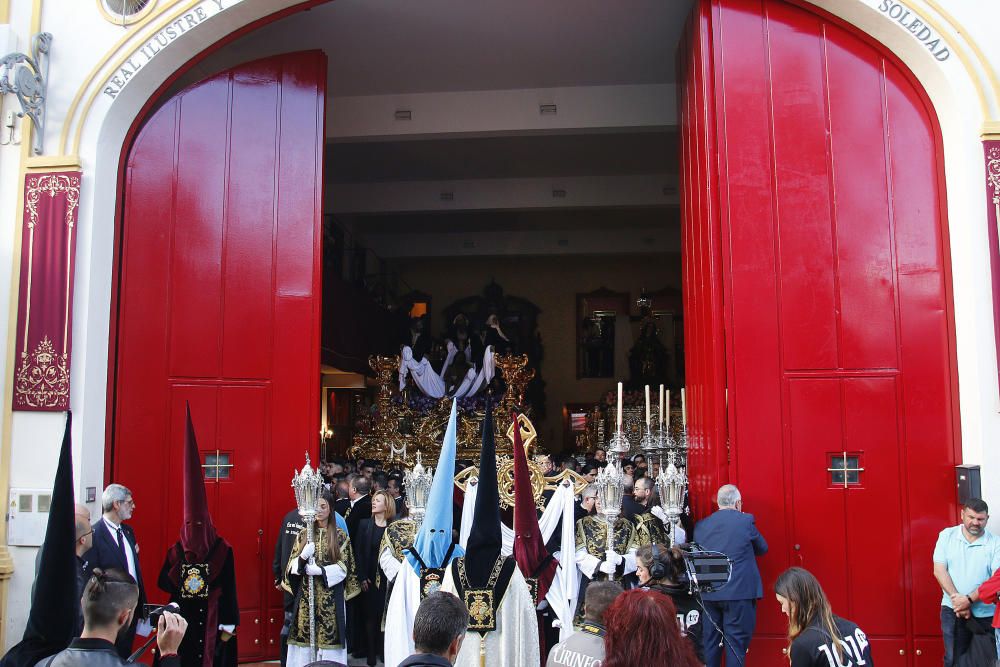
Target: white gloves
{"x": 613, "y": 557}
{"x": 313, "y": 569}
{"x": 308, "y": 551}
{"x": 607, "y": 568}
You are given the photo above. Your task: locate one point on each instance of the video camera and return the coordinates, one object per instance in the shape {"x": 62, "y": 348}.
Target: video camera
{"x": 706, "y": 571}
{"x": 155, "y": 611}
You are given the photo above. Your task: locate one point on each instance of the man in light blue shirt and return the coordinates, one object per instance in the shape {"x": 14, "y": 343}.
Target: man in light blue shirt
{"x": 965, "y": 556}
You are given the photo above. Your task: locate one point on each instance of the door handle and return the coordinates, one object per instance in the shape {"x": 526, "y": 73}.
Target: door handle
{"x": 260, "y": 539}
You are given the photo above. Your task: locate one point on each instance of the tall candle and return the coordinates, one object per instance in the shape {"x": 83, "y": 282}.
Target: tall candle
{"x": 661, "y": 406}
{"x": 619, "y": 422}
{"x": 667, "y": 415}
{"x": 684, "y": 412}
{"x": 647, "y": 406}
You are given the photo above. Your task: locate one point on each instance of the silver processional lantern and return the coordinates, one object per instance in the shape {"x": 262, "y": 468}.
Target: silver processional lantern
{"x": 308, "y": 487}
{"x": 671, "y": 484}
{"x": 417, "y": 483}
{"x": 610, "y": 484}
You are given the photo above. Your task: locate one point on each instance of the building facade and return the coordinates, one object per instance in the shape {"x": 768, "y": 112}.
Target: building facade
{"x": 114, "y": 77}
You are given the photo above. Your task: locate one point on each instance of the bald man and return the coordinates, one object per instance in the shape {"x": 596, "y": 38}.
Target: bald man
{"x": 84, "y": 540}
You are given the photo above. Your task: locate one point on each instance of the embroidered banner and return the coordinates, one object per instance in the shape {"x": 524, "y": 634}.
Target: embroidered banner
{"x": 45, "y": 297}
{"x": 992, "y": 156}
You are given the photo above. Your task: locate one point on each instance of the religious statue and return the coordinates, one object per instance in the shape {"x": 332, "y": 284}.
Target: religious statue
{"x": 648, "y": 359}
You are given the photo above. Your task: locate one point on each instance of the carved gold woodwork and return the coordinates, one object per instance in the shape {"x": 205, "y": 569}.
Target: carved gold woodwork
{"x": 397, "y": 432}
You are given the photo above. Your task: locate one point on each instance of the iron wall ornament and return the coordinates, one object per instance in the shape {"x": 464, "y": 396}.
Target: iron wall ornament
{"x": 27, "y": 78}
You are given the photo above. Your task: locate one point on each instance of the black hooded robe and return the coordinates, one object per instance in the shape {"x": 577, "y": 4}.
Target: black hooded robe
{"x": 203, "y": 644}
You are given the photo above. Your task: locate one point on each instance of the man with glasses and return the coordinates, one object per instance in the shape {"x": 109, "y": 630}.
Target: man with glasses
{"x": 114, "y": 546}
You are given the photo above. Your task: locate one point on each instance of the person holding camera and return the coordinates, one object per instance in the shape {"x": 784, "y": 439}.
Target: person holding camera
{"x": 663, "y": 570}
{"x": 109, "y": 605}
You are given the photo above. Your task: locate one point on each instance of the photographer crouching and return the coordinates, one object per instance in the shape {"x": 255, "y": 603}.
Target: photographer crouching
{"x": 109, "y": 602}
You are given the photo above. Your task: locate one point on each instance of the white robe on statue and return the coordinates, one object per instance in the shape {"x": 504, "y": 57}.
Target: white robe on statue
{"x": 399, "y": 616}
{"x": 515, "y": 641}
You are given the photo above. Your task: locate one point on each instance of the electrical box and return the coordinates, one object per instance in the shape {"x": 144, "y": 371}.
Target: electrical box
{"x": 967, "y": 479}
{"x": 28, "y": 516}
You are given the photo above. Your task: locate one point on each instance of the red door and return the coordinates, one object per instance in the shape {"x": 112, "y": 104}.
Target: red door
{"x": 218, "y": 305}
{"x": 817, "y": 314}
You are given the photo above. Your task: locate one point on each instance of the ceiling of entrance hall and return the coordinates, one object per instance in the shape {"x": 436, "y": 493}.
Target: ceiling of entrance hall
{"x": 379, "y": 47}
{"x": 474, "y": 76}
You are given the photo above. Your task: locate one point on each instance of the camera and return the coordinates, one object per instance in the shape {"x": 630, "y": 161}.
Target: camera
{"x": 155, "y": 611}
{"x": 706, "y": 571}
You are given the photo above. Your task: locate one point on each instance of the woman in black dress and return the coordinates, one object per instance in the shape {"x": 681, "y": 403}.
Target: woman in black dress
{"x": 373, "y": 582}
{"x": 662, "y": 569}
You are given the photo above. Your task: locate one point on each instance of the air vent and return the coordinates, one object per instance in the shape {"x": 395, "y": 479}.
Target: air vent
{"x": 467, "y": 244}
{"x": 404, "y": 114}
{"x": 559, "y": 193}
{"x": 447, "y": 196}
{"x": 547, "y": 109}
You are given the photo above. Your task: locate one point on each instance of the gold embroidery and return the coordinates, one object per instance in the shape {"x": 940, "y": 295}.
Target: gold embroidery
{"x": 479, "y": 601}
{"x": 480, "y": 604}
{"x": 194, "y": 577}
{"x": 42, "y": 380}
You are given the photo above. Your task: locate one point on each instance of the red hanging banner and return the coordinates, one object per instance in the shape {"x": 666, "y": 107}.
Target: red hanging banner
{"x": 45, "y": 297}
{"x": 991, "y": 149}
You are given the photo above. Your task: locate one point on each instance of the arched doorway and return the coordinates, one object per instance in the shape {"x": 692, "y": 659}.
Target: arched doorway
{"x": 804, "y": 302}
{"x": 218, "y": 306}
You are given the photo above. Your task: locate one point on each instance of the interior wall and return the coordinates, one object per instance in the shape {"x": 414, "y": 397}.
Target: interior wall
{"x": 552, "y": 283}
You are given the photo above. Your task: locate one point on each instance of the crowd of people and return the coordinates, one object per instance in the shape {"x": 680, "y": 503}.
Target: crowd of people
{"x": 636, "y": 602}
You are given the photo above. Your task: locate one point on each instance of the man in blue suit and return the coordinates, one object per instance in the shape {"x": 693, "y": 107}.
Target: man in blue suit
{"x": 115, "y": 547}
{"x": 733, "y": 607}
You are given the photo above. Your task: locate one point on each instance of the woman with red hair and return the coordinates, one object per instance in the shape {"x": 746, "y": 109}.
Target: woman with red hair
{"x": 642, "y": 629}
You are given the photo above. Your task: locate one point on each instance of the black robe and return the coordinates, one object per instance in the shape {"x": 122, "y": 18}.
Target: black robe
{"x": 218, "y": 607}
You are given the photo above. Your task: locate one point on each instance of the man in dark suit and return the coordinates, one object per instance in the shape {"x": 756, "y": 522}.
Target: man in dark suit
{"x": 733, "y": 607}
{"x": 115, "y": 547}
{"x": 361, "y": 509}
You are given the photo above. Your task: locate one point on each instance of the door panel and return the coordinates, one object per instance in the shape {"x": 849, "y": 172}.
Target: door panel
{"x": 818, "y": 206}
{"x": 219, "y": 306}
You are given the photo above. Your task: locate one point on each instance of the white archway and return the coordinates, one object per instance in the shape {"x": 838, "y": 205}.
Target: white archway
{"x": 102, "y": 124}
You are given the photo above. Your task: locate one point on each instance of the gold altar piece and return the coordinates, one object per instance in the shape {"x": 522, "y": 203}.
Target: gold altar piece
{"x": 396, "y": 432}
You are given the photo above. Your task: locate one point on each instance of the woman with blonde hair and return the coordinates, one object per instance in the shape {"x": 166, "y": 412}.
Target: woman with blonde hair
{"x": 330, "y": 561}
{"x": 816, "y": 637}
{"x": 373, "y": 581}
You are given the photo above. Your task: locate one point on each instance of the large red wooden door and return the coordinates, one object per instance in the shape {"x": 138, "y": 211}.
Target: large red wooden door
{"x": 218, "y": 305}
{"x": 818, "y": 321}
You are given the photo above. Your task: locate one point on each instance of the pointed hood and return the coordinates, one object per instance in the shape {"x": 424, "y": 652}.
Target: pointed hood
{"x": 197, "y": 531}
{"x": 55, "y": 605}
{"x": 434, "y": 537}
{"x": 533, "y": 559}
{"x": 486, "y": 539}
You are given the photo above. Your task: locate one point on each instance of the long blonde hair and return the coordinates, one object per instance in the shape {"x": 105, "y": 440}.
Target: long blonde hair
{"x": 390, "y": 505}
{"x": 807, "y": 605}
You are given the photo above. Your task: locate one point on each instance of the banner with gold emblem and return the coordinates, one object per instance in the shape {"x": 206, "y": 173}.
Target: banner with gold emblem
{"x": 45, "y": 297}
